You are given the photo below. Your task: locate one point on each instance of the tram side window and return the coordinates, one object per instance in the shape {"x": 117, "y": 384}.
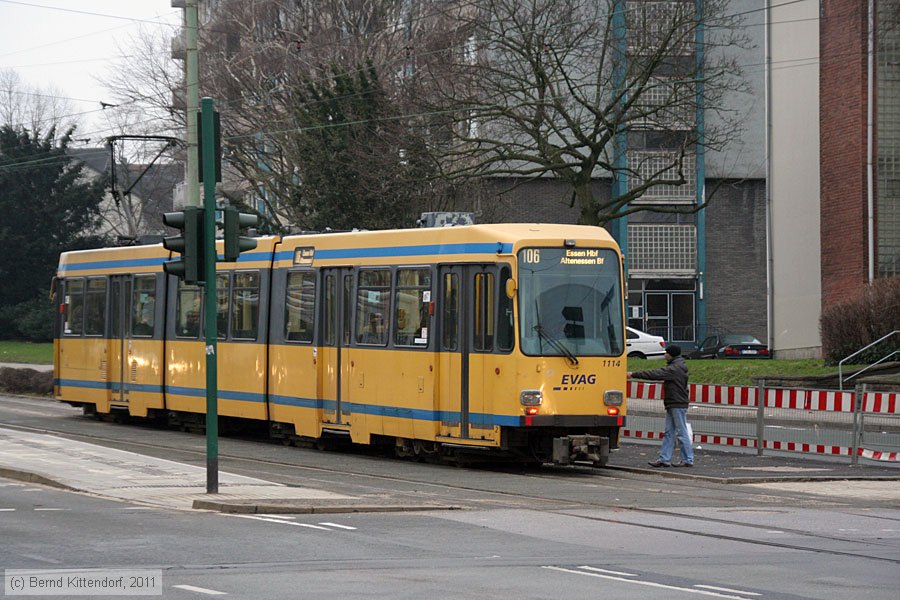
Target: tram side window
{"x": 299, "y": 306}
{"x": 450, "y": 312}
{"x": 187, "y": 311}
{"x": 485, "y": 302}
{"x": 412, "y": 302}
{"x": 245, "y": 305}
{"x": 143, "y": 305}
{"x": 74, "y": 307}
{"x": 505, "y": 328}
{"x": 222, "y": 293}
{"x": 372, "y": 304}
{"x": 94, "y": 306}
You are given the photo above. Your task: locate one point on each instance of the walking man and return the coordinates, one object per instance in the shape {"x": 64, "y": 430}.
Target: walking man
{"x": 676, "y": 398}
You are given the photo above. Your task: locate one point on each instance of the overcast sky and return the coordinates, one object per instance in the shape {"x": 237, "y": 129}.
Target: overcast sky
{"x": 67, "y": 43}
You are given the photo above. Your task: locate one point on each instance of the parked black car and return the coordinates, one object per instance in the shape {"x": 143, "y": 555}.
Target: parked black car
{"x": 731, "y": 345}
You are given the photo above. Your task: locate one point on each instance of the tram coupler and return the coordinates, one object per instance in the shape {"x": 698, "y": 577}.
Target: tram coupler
{"x": 581, "y": 448}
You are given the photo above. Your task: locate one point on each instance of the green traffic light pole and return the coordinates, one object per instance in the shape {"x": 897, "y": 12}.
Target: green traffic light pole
{"x": 209, "y": 239}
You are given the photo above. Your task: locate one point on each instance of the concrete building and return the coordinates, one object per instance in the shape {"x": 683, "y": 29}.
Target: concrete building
{"x": 835, "y": 160}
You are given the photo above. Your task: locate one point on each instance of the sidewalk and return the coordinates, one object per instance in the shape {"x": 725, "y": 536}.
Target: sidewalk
{"x": 131, "y": 477}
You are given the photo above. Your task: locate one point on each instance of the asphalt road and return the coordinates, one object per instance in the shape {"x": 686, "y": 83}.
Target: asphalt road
{"x": 548, "y": 533}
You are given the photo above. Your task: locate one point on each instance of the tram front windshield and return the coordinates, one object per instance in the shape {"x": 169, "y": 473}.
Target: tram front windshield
{"x": 570, "y": 302}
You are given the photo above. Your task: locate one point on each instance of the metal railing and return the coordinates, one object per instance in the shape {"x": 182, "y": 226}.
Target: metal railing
{"x": 826, "y": 422}
{"x": 860, "y": 351}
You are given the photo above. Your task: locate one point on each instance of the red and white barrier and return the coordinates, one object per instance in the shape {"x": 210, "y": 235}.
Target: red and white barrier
{"x": 880, "y": 403}
{"x": 876, "y": 455}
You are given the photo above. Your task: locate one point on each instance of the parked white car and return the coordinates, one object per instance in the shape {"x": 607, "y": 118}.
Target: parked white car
{"x": 643, "y": 345}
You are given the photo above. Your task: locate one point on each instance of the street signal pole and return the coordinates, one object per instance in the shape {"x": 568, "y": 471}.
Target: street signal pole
{"x": 208, "y": 146}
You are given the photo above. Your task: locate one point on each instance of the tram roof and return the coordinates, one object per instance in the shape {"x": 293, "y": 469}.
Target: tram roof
{"x": 509, "y": 233}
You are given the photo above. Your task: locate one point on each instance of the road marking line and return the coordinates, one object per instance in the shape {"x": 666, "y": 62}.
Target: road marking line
{"x": 49, "y": 509}
{"x": 200, "y": 590}
{"x": 647, "y": 583}
{"x": 587, "y": 568}
{"x": 339, "y": 526}
{"x": 7, "y": 509}
{"x": 721, "y": 589}
{"x": 282, "y": 522}
{"x": 277, "y": 516}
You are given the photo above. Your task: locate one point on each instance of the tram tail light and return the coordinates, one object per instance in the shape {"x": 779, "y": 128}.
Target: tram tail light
{"x": 613, "y": 397}
{"x": 531, "y": 397}
{"x": 532, "y": 410}
{"x": 612, "y": 411}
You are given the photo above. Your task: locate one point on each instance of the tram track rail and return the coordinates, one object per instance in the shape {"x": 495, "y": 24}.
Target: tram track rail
{"x": 493, "y": 497}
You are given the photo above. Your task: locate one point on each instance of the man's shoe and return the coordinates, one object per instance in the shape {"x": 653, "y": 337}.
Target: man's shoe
{"x": 658, "y": 463}
{"x": 683, "y": 464}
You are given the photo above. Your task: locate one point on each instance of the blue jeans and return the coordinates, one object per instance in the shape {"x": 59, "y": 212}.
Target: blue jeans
{"x": 676, "y": 424}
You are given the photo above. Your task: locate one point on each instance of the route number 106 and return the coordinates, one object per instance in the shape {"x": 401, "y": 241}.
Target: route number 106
{"x": 532, "y": 256}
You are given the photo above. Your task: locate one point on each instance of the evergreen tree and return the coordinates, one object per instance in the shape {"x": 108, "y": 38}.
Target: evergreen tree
{"x": 48, "y": 207}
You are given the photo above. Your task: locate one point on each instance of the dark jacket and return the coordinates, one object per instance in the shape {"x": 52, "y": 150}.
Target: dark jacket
{"x": 675, "y": 382}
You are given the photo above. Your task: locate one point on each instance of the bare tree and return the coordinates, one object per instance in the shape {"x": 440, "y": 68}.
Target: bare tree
{"x": 318, "y": 108}
{"x": 545, "y": 88}
{"x": 35, "y": 108}
{"x": 143, "y": 94}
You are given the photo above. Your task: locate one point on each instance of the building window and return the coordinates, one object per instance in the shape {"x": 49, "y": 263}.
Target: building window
{"x": 662, "y": 249}
{"x": 666, "y": 103}
{"x": 652, "y": 24}
{"x": 663, "y": 166}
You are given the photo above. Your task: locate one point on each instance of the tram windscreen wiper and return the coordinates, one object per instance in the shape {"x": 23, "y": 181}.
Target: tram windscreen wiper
{"x": 556, "y": 344}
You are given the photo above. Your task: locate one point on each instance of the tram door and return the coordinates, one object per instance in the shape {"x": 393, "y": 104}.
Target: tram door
{"x": 466, "y": 338}
{"x": 119, "y": 340}
{"x": 453, "y": 361}
{"x": 334, "y": 365}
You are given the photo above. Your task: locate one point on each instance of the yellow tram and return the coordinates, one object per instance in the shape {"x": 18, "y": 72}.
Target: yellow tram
{"x": 507, "y": 338}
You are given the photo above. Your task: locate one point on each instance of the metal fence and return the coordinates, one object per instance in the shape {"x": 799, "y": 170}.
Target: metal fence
{"x": 858, "y": 424}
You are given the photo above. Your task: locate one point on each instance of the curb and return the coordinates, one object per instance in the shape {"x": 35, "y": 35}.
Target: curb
{"x": 29, "y": 477}
{"x": 251, "y": 507}
{"x": 747, "y": 480}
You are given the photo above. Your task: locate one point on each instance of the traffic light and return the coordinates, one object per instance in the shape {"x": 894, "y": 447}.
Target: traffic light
{"x": 235, "y": 243}
{"x": 189, "y": 244}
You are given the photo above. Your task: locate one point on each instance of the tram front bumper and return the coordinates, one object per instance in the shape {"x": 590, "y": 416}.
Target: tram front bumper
{"x": 581, "y": 448}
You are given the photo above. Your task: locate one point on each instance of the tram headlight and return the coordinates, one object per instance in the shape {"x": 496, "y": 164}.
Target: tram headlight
{"x": 531, "y": 397}
{"x": 613, "y": 397}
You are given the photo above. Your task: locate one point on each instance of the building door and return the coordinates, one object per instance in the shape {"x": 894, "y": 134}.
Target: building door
{"x": 656, "y": 310}
{"x": 671, "y": 315}
{"x": 682, "y": 318}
